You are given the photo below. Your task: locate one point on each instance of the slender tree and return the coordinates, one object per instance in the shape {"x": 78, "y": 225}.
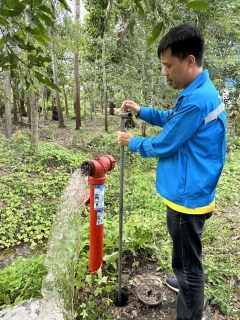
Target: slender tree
{"x": 55, "y": 77}
{"x": 28, "y": 108}
{"x": 104, "y": 66}
{"x": 76, "y": 71}
{"x": 7, "y": 99}
{"x": 14, "y": 89}
{"x": 66, "y": 100}
{"x": 34, "y": 119}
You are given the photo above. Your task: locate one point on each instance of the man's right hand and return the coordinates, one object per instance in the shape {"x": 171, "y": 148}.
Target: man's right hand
{"x": 129, "y": 104}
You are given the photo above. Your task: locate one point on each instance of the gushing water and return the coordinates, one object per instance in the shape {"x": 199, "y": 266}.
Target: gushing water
{"x": 63, "y": 252}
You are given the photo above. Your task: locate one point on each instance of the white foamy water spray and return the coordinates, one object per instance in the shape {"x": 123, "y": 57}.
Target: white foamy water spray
{"x": 63, "y": 252}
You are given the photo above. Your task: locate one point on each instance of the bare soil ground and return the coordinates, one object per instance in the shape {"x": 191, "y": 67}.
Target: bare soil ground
{"x": 145, "y": 273}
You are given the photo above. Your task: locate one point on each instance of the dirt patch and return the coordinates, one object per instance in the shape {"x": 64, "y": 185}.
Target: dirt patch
{"x": 146, "y": 274}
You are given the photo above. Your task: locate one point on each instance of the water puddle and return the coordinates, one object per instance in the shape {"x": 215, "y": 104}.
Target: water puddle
{"x": 7, "y": 257}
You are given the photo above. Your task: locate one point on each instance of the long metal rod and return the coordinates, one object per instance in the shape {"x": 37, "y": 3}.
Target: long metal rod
{"x": 121, "y": 218}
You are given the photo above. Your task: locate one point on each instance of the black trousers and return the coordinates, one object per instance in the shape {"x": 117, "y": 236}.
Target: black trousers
{"x": 186, "y": 233}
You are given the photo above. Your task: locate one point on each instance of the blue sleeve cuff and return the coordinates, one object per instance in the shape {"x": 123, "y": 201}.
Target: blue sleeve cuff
{"x": 132, "y": 145}
{"x": 143, "y": 146}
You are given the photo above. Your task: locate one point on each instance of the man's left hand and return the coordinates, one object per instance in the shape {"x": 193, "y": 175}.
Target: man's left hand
{"x": 124, "y": 138}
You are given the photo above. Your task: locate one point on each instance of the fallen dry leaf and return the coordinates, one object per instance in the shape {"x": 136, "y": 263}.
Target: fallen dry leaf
{"x": 235, "y": 238}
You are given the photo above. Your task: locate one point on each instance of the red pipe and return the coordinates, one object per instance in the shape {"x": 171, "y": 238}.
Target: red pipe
{"x": 97, "y": 177}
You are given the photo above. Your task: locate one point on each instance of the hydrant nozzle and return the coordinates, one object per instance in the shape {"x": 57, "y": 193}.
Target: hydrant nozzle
{"x": 87, "y": 168}
{"x": 98, "y": 167}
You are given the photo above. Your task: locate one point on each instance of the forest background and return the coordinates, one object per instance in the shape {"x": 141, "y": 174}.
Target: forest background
{"x": 60, "y": 74}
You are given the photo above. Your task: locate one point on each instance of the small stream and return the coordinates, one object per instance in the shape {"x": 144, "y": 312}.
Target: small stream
{"x": 8, "y": 256}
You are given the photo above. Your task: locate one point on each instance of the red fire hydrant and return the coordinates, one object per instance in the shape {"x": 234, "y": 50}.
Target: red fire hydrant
{"x": 96, "y": 169}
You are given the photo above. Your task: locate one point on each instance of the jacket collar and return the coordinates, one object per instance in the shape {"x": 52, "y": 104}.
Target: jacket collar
{"x": 203, "y": 76}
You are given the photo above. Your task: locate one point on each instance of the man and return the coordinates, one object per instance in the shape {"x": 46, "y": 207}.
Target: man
{"x": 191, "y": 150}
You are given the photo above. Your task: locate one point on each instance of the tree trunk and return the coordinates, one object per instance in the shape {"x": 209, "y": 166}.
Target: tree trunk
{"x": 77, "y": 91}
{"x": 7, "y": 99}
{"x": 44, "y": 106}
{"x": 1, "y": 107}
{"x": 76, "y": 72}
{"x": 142, "y": 78}
{"x": 55, "y": 76}
{"x": 95, "y": 88}
{"x": 66, "y": 101}
{"x": 28, "y": 108}
{"x": 104, "y": 67}
{"x": 34, "y": 120}
{"x": 90, "y": 102}
{"x": 22, "y": 110}
{"x": 143, "y": 128}
{"x": 104, "y": 84}
{"x": 15, "y": 102}
{"x": 84, "y": 102}
{"x": 91, "y": 110}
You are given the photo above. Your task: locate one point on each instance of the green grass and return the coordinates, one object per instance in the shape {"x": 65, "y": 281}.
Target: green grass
{"x": 32, "y": 182}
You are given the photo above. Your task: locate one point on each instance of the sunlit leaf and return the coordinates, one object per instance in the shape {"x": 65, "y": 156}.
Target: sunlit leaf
{"x": 3, "y": 22}
{"x": 32, "y": 31}
{"x": 111, "y": 257}
{"x": 54, "y": 86}
{"x": 198, "y": 5}
{"x": 155, "y": 33}
{"x": 42, "y": 59}
{"x": 15, "y": 5}
{"x": 10, "y": 13}
{"x": 140, "y": 9}
{"x": 40, "y": 38}
{"x": 46, "y": 9}
{"x": 65, "y": 5}
{"x": 49, "y": 22}
{"x": 45, "y": 80}
{"x": 7, "y": 60}
{"x": 38, "y": 24}
{"x": 2, "y": 41}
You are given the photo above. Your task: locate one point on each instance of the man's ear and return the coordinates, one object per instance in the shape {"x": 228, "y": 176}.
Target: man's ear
{"x": 191, "y": 61}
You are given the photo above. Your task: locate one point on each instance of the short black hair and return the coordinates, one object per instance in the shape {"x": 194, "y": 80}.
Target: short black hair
{"x": 184, "y": 40}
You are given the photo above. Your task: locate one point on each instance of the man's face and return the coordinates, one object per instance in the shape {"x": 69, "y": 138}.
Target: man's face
{"x": 176, "y": 71}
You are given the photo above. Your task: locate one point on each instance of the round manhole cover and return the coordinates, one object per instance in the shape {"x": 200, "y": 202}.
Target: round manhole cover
{"x": 149, "y": 294}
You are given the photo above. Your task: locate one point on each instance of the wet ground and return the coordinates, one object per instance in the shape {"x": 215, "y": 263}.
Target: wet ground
{"x": 7, "y": 256}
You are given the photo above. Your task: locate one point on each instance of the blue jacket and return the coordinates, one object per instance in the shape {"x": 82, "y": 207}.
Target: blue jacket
{"x": 191, "y": 147}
